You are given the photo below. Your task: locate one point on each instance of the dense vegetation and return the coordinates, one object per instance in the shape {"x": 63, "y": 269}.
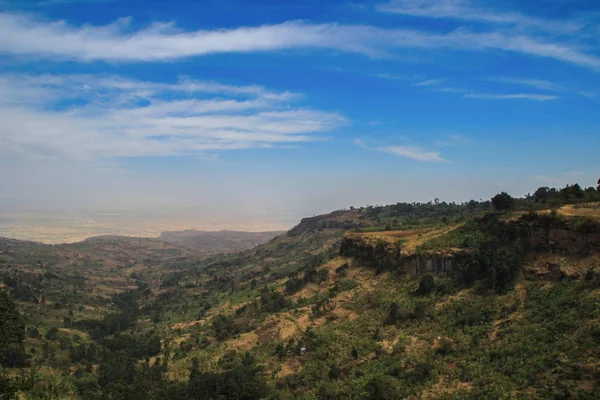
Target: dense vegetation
{"x": 303, "y": 317}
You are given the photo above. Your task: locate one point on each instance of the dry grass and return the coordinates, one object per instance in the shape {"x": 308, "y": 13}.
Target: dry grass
{"x": 588, "y": 210}
{"x": 411, "y": 238}
{"x": 289, "y": 367}
{"x": 444, "y": 388}
{"x": 245, "y": 341}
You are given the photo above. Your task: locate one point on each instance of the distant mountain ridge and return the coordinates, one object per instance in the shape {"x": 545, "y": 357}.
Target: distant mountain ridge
{"x": 218, "y": 241}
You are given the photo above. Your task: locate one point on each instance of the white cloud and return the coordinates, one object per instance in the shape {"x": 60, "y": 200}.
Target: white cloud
{"x": 536, "y": 83}
{"x": 392, "y": 77}
{"x": 412, "y": 152}
{"x": 63, "y": 2}
{"x": 428, "y": 82}
{"x": 84, "y": 117}
{"x": 467, "y": 10}
{"x": 589, "y": 94}
{"x": 543, "y": 85}
{"x": 415, "y": 153}
{"x": 514, "y": 96}
{"x": 452, "y": 140}
{"x": 497, "y": 96}
{"x": 24, "y": 35}
{"x": 361, "y": 143}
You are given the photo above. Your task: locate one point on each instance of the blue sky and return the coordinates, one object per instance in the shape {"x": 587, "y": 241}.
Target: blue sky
{"x": 299, "y": 107}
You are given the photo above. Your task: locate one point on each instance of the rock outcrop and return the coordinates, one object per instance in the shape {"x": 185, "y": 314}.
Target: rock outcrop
{"x": 539, "y": 233}
{"x": 334, "y": 220}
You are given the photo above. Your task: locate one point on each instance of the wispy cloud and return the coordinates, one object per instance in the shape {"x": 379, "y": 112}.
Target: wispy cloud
{"x": 411, "y": 152}
{"x": 468, "y": 10}
{"x": 544, "y": 85}
{"x": 393, "y": 77}
{"x": 536, "y": 83}
{"x": 415, "y": 153}
{"x": 361, "y": 143}
{"x": 61, "y": 2}
{"x": 434, "y": 84}
{"x": 22, "y": 34}
{"x": 452, "y": 140}
{"x": 514, "y": 96}
{"x": 469, "y": 94}
{"x": 428, "y": 82}
{"x": 589, "y": 94}
{"x": 86, "y": 117}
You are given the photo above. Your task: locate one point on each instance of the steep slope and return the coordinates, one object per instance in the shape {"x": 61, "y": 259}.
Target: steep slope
{"x": 217, "y": 242}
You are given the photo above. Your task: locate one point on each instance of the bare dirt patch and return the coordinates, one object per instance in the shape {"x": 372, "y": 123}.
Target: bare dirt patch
{"x": 287, "y": 328}
{"x": 289, "y": 367}
{"x": 246, "y": 341}
{"x": 417, "y": 346}
{"x": 410, "y": 238}
{"x": 444, "y": 388}
{"x": 185, "y": 325}
{"x": 589, "y": 210}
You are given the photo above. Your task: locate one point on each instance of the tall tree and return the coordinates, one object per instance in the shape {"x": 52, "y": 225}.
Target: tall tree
{"x": 12, "y": 333}
{"x": 503, "y": 201}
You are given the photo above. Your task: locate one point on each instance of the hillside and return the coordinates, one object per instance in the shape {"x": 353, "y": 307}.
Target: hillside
{"x": 217, "y": 242}
{"x": 433, "y": 301}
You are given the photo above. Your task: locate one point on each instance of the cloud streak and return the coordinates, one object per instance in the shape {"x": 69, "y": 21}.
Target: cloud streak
{"x": 535, "y": 83}
{"x": 63, "y": 2}
{"x": 117, "y": 42}
{"x": 428, "y": 82}
{"x": 415, "y": 153}
{"x": 412, "y": 152}
{"x": 514, "y": 96}
{"x": 465, "y": 10}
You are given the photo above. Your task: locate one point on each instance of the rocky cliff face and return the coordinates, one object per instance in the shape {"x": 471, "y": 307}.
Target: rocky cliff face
{"x": 542, "y": 234}
{"x": 383, "y": 256}
{"x": 548, "y": 234}
{"x": 334, "y": 220}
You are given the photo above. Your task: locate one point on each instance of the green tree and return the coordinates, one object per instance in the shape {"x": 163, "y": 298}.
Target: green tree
{"x": 542, "y": 194}
{"x": 12, "y": 333}
{"x": 52, "y": 333}
{"x": 572, "y": 191}
{"x": 503, "y": 201}
{"x": 394, "y": 314}
{"x": 384, "y": 388}
{"x": 322, "y": 275}
{"x": 8, "y": 387}
{"x": 426, "y": 285}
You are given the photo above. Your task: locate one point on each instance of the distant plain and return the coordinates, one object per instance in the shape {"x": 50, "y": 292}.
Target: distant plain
{"x": 56, "y": 227}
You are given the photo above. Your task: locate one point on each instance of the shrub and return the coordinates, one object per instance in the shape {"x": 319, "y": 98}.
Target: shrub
{"x": 503, "y": 202}
{"x": 426, "y": 285}
{"x": 342, "y": 268}
{"x": 384, "y": 388}
{"x": 292, "y": 285}
{"x": 52, "y": 333}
